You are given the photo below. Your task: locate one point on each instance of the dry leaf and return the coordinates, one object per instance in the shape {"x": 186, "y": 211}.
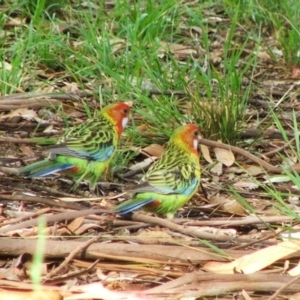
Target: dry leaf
{"x": 180, "y": 51}
{"x": 233, "y": 207}
{"x": 254, "y": 170}
{"x": 255, "y": 261}
{"x": 86, "y": 227}
{"x": 294, "y": 297}
{"x": 263, "y": 55}
{"x": 117, "y": 44}
{"x": 295, "y": 271}
{"x": 154, "y": 150}
{"x": 277, "y": 179}
{"x": 5, "y": 65}
{"x": 212, "y": 20}
{"x": 224, "y": 156}
{"x": 75, "y": 224}
{"x": 217, "y": 169}
{"x": 246, "y": 295}
{"x": 205, "y": 153}
{"x": 142, "y": 165}
{"x": 229, "y": 205}
{"x": 70, "y": 87}
{"x": 26, "y": 150}
{"x": 249, "y": 185}
{"x": 25, "y": 113}
{"x": 11, "y": 22}
{"x": 296, "y": 166}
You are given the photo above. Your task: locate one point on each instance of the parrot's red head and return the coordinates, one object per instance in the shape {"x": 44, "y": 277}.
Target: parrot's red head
{"x": 188, "y": 137}
{"x": 118, "y": 114}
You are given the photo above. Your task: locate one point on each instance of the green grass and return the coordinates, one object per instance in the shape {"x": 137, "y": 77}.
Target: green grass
{"x": 279, "y": 18}
{"x": 38, "y": 257}
{"x": 121, "y": 48}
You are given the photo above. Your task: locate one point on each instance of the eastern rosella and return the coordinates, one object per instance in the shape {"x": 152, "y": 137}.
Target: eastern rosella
{"x": 172, "y": 180}
{"x": 85, "y": 151}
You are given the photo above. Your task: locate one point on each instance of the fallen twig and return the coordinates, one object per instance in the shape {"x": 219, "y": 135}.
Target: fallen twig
{"x": 72, "y": 255}
{"x": 202, "y": 233}
{"x": 265, "y": 165}
{"x": 70, "y": 215}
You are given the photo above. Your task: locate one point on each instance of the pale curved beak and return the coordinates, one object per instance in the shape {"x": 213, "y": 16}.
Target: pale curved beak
{"x": 195, "y": 143}
{"x": 124, "y": 122}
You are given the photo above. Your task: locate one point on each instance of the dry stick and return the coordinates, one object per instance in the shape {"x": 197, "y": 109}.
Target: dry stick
{"x": 141, "y": 269}
{"x": 36, "y": 199}
{"x": 24, "y": 218}
{"x": 259, "y": 241}
{"x": 80, "y": 248}
{"x": 275, "y": 295}
{"x": 284, "y": 95}
{"x": 16, "y": 140}
{"x": 33, "y": 105}
{"x": 212, "y": 284}
{"x": 183, "y": 280}
{"x": 194, "y": 232}
{"x": 249, "y": 220}
{"x": 272, "y": 152}
{"x": 23, "y": 125}
{"x": 70, "y": 215}
{"x": 268, "y": 167}
{"x": 76, "y": 274}
{"x": 12, "y": 98}
{"x": 57, "y": 193}
{"x": 268, "y": 134}
{"x": 174, "y": 255}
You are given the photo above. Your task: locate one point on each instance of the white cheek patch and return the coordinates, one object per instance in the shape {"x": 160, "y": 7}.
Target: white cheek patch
{"x": 124, "y": 122}
{"x": 195, "y": 144}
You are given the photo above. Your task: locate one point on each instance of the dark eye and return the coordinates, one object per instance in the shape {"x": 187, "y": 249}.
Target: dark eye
{"x": 125, "y": 111}
{"x": 196, "y": 133}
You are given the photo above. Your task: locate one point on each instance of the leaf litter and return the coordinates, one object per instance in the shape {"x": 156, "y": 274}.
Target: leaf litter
{"x": 214, "y": 246}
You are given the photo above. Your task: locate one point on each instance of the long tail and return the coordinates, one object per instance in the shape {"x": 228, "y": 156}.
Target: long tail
{"x": 131, "y": 205}
{"x": 44, "y": 168}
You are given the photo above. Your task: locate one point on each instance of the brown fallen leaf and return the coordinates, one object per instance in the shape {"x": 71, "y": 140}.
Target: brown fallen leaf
{"x": 254, "y": 170}
{"x": 294, "y": 297}
{"x": 181, "y": 52}
{"x": 5, "y": 65}
{"x": 228, "y": 204}
{"x": 75, "y": 224}
{"x": 85, "y": 228}
{"x": 205, "y": 153}
{"x": 295, "y": 271}
{"x": 217, "y": 169}
{"x": 25, "y": 113}
{"x": 255, "y": 261}
{"x": 153, "y": 150}
{"x": 246, "y": 295}
{"x": 224, "y": 156}
{"x": 245, "y": 184}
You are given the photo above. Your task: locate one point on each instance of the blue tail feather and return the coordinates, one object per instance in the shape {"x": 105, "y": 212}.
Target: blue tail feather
{"x": 51, "y": 170}
{"x": 125, "y": 208}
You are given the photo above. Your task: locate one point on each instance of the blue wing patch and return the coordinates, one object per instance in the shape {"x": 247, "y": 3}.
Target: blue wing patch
{"x": 131, "y": 207}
